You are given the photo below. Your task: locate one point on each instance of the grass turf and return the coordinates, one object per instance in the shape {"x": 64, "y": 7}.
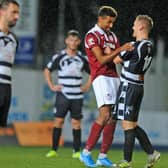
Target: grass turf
{"x": 34, "y": 157}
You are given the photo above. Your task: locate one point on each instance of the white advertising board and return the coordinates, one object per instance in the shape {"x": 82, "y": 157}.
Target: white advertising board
{"x": 32, "y": 100}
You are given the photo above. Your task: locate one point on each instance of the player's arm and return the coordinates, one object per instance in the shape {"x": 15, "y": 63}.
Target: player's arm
{"x": 86, "y": 68}
{"x": 52, "y": 65}
{"x": 48, "y": 78}
{"x": 117, "y": 60}
{"x": 123, "y": 56}
{"x": 104, "y": 58}
{"x": 87, "y": 85}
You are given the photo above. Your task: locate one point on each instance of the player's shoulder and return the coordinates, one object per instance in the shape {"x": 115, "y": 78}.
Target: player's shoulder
{"x": 13, "y": 35}
{"x": 91, "y": 33}
{"x": 81, "y": 55}
{"x": 62, "y": 52}
{"x": 14, "y": 38}
{"x": 91, "y": 30}
{"x": 95, "y": 31}
{"x": 92, "y": 37}
{"x": 144, "y": 43}
{"x": 1, "y": 33}
{"x": 59, "y": 54}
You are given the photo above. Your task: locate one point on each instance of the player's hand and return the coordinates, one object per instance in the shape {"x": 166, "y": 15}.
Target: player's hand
{"x": 56, "y": 88}
{"x": 84, "y": 88}
{"x": 127, "y": 47}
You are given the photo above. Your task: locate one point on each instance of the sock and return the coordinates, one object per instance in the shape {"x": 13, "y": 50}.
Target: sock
{"x": 108, "y": 132}
{"x": 93, "y": 136}
{"x": 56, "y": 137}
{"x": 76, "y": 139}
{"x": 102, "y": 155}
{"x": 144, "y": 140}
{"x": 129, "y": 144}
{"x": 86, "y": 152}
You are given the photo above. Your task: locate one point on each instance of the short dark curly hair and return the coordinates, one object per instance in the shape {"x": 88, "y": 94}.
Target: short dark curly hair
{"x": 107, "y": 11}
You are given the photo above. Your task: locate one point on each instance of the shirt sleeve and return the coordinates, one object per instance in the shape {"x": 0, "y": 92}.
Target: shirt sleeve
{"x": 125, "y": 55}
{"x": 53, "y": 63}
{"x": 145, "y": 49}
{"x": 91, "y": 41}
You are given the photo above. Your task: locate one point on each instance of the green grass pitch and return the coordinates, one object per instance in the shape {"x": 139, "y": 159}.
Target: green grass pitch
{"x": 34, "y": 157}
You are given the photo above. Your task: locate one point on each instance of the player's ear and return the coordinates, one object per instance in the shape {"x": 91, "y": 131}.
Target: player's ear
{"x": 141, "y": 27}
{"x": 100, "y": 18}
{"x": 66, "y": 41}
{"x": 79, "y": 41}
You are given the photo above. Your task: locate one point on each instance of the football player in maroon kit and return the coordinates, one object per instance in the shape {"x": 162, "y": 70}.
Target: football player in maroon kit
{"x": 105, "y": 83}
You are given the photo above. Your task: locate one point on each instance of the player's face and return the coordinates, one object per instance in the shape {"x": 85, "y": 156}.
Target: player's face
{"x": 11, "y": 14}
{"x": 106, "y": 22}
{"x": 72, "y": 42}
{"x": 136, "y": 27}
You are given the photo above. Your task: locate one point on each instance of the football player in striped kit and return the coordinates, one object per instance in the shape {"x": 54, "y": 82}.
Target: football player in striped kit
{"x": 9, "y": 14}
{"x": 70, "y": 65}
{"x": 135, "y": 65}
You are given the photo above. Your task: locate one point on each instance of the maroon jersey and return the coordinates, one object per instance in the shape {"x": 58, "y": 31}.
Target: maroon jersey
{"x": 97, "y": 37}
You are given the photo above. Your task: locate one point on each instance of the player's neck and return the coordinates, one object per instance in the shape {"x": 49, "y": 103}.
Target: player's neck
{"x": 100, "y": 26}
{"x": 71, "y": 52}
{"x": 3, "y": 27}
{"x": 142, "y": 37}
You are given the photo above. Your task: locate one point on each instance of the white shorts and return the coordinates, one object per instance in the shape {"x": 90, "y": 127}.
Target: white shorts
{"x": 105, "y": 89}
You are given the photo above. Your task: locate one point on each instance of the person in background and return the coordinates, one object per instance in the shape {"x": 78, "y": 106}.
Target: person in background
{"x": 9, "y": 15}
{"x": 70, "y": 64}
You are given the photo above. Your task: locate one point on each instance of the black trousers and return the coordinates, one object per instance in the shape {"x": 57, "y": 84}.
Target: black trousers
{"x": 5, "y": 100}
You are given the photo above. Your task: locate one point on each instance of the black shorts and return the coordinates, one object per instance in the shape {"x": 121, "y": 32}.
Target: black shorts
{"x": 5, "y": 99}
{"x": 63, "y": 105}
{"x": 128, "y": 102}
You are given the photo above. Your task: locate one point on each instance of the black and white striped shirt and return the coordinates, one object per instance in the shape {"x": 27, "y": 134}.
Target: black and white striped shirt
{"x": 137, "y": 61}
{"x": 70, "y": 72}
{"x": 8, "y": 47}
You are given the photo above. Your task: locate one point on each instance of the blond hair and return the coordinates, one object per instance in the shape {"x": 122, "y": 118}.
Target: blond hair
{"x": 147, "y": 20}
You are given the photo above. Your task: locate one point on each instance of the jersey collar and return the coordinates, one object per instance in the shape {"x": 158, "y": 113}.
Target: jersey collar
{"x": 100, "y": 30}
